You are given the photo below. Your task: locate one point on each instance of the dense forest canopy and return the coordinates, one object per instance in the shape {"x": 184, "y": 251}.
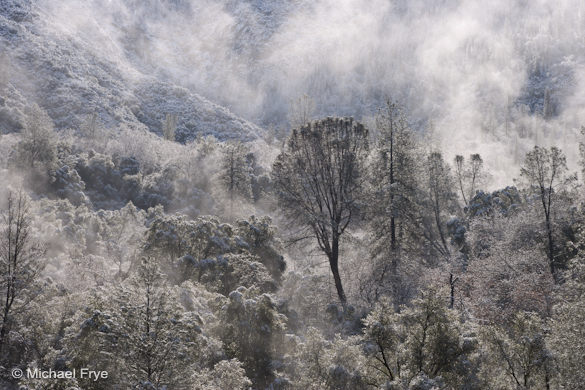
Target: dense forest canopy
{"x": 148, "y": 266}
{"x": 356, "y": 219}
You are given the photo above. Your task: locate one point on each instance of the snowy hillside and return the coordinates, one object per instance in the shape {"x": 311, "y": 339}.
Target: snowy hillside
{"x": 484, "y": 73}
{"x": 70, "y": 79}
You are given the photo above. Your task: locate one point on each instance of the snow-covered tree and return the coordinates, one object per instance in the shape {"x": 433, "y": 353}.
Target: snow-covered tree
{"x": 261, "y": 236}
{"x": 220, "y": 256}
{"x": 517, "y": 356}
{"x": 141, "y": 333}
{"x": 437, "y": 205}
{"x": 38, "y": 138}
{"x": 314, "y": 362}
{"x": 546, "y": 173}
{"x": 252, "y": 330}
{"x": 123, "y": 232}
{"x": 21, "y": 261}
{"x": 159, "y": 338}
{"x": 393, "y": 181}
{"x": 394, "y": 173}
{"x": 506, "y": 270}
{"x": 90, "y": 129}
{"x": 425, "y": 340}
{"x": 567, "y": 335}
{"x": 226, "y": 374}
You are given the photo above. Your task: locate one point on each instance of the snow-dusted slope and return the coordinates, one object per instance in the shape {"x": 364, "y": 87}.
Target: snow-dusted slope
{"x": 479, "y": 72}
{"x": 70, "y": 79}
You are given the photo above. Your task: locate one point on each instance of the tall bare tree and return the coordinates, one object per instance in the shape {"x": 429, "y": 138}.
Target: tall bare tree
{"x": 318, "y": 180}
{"x": 301, "y": 111}
{"x": 438, "y": 203}
{"x": 545, "y": 170}
{"x": 468, "y": 175}
{"x": 21, "y": 260}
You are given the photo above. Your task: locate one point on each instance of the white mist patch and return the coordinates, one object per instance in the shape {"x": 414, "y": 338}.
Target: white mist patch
{"x": 477, "y": 73}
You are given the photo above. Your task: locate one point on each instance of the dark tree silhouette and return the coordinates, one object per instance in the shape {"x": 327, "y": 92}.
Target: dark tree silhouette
{"x": 318, "y": 181}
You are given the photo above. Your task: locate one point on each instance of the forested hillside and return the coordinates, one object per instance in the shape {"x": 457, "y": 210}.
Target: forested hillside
{"x": 184, "y": 208}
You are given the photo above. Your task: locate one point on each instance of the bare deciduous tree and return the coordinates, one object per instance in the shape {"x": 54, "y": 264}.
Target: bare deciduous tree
{"x": 468, "y": 175}
{"x": 21, "y": 260}
{"x": 38, "y": 138}
{"x": 437, "y": 203}
{"x": 545, "y": 170}
{"x": 318, "y": 179}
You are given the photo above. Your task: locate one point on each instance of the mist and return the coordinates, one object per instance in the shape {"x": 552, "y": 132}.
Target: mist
{"x": 475, "y": 74}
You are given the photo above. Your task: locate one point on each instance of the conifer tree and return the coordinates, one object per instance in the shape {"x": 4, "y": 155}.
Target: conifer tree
{"x": 140, "y": 333}
{"x": 393, "y": 192}
{"x": 169, "y": 126}
{"x": 422, "y": 342}
{"x": 235, "y": 173}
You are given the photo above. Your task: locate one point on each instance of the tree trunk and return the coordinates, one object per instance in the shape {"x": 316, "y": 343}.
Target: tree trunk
{"x": 551, "y": 252}
{"x": 392, "y": 220}
{"x": 3, "y": 331}
{"x": 392, "y": 229}
{"x": 462, "y": 190}
{"x": 333, "y": 262}
{"x": 546, "y": 377}
{"x": 393, "y": 241}
{"x": 5, "y": 319}
{"x": 439, "y": 227}
{"x": 394, "y": 265}
{"x": 452, "y": 282}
